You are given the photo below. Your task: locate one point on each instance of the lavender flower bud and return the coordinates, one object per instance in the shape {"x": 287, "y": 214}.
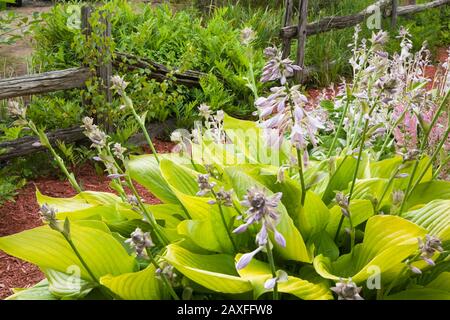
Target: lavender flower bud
{"x": 247, "y": 36}
{"x": 119, "y": 84}
{"x": 119, "y": 151}
{"x": 342, "y": 201}
{"x": 429, "y": 247}
{"x": 140, "y": 241}
{"x": 224, "y": 198}
{"x": 281, "y": 277}
{"x": 204, "y": 185}
{"x": 247, "y": 258}
{"x": 48, "y": 214}
{"x": 15, "y": 109}
{"x": 204, "y": 111}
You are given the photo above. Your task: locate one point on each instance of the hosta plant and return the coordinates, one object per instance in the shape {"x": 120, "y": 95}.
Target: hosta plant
{"x": 259, "y": 210}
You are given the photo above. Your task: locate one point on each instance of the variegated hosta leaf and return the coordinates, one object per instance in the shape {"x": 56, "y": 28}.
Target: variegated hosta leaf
{"x": 258, "y": 272}
{"x": 216, "y": 272}
{"x": 387, "y": 242}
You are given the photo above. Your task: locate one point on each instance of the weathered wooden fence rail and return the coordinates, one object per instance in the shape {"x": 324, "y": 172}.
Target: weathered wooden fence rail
{"x": 388, "y": 8}
{"x": 30, "y": 144}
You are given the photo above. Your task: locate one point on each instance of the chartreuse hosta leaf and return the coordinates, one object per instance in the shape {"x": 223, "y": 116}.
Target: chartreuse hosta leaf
{"x": 435, "y": 217}
{"x": 360, "y": 211}
{"x": 386, "y": 168}
{"x": 258, "y": 272}
{"x": 373, "y": 189}
{"x": 48, "y": 249}
{"x": 216, "y": 272}
{"x": 248, "y": 138}
{"x": 428, "y": 191}
{"x": 141, "y": 285}
{"x": 145, "y": 170}
{"x": 90, "y": 205}
{"x": 182, "y": 182}
{"x": 387, "y": 242}
{"x": 295, "y": 248}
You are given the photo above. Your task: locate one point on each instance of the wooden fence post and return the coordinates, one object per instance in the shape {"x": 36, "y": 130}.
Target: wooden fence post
{"x": 394, "y": 13}
{"x": 303, "y": 20}
{"x": 104, "y": 70}
{"x": 287, "y": 20}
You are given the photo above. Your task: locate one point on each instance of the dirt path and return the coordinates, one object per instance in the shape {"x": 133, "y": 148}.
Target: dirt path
{"x": 14, "y": 58}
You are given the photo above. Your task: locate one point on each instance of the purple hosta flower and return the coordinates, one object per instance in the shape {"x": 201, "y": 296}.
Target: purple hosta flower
{"x": 270, "y": 52}
{"x": 278, "y": 68}
{"x": 204, "y": 111}
{"x": 97, "y": 137}
{"x": 428, "y": 248}
{"x": 119, "y": 151}
{"x": 347, "y": 290}
{"x": 140, "y": 241}
{"x": 168, "y": 271}
{"x": 262, "y": 209}
{"x": 119, "y": 84}
{"x": 183, "y": 142}
{"x": 15, "y": 109}
{"x": 343, "y": 202}
{"x": 281, "y": 277}
{"x": 223, "y": 198}
{"x": 204, "y": 184}
{"x": 285, "y": 111}
{"x": 248, "y": 35}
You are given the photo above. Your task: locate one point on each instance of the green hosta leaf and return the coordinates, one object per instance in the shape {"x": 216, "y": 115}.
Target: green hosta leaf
{"x": 314, "y": 217}
{"x": 420, "y": 294}
{"x": 325, "y": 245}
{"x": 387, "y": 242}
{"x": 435, "y": 217}
{"x": 384, "y": 169}
{"x": 442, "y": 282}
{"x": 141, "y": 285}
{"x": 429, "y": 191}
{"x": 360, "y": 211}
{"x": 258, "y": 272}
{"x": 341, "y": 175}
{"x": 39, "y": 291}
{"x": 216, "y": 272}
{"x": 295, "y": 245}
{"x": 145, "y": 170}
{"x": 48, "y": 249}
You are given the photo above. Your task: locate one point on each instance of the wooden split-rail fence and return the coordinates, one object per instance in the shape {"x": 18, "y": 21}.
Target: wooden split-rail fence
{"x": 76, "y": 77}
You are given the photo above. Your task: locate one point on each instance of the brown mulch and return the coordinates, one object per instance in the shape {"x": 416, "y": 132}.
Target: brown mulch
{"x": 23, "y": 214}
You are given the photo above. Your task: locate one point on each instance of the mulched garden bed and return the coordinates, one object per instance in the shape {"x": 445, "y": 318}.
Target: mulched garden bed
{"x": 23, "y": 214}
